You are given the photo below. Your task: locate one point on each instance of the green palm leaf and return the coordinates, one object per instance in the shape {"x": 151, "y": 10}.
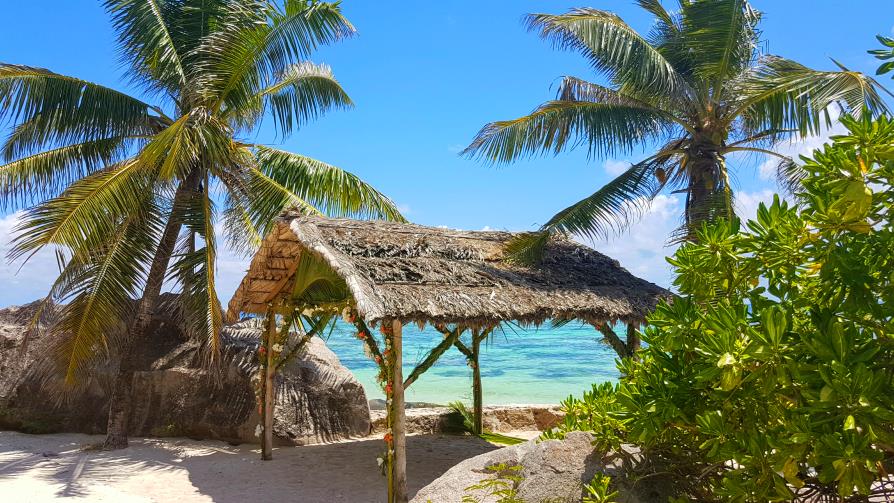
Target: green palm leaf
{"x": 43, "y": 175}
{"x": 147, "y": 43}
{"x": 612, "y": 47}
{"x": 331, "y": 190}
{"x": 721, "y": 36}
{"x": 782, "y": 94}
{"x": 607, "y": 128}
{"x": 195, "y": 273}
{"x": 244, "y": 59}
{"x": 89, "y": 211}
{"x": 99, "y": 286}
{"x": 304, "y": 92}
{"x": 62, "y": 110}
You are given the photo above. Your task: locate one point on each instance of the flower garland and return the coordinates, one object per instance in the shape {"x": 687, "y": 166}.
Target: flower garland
{"x": 384, "y": 377}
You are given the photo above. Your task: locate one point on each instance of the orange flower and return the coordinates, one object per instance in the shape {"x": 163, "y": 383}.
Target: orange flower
{"x": 388, "y": 389}
{"x": 388, "y": 438}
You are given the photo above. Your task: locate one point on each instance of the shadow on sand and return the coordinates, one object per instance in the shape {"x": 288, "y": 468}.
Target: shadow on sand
{"x": 45, "y": 467}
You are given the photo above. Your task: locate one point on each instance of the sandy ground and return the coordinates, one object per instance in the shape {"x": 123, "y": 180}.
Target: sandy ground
{"x": 37, "y": 468}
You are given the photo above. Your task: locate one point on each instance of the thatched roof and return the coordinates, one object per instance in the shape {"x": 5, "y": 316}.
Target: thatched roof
{"x": 426, "y": 274}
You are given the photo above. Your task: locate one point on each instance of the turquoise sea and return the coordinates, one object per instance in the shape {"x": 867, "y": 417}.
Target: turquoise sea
{"x": 518, "y": 366}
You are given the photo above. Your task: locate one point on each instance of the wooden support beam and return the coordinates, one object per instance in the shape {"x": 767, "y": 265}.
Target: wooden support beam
{"x": 399, "y": 428}
{"x": 449, "y": 339}
{"x": 613, "y": 340}
{"x": 477, "y": 398}
{"x": 633, "y": 341}
{"x": 269, "y": 386}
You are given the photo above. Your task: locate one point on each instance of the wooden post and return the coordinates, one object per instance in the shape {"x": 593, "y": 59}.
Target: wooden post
{"x": 478, "y": 426}
{"x": 633, "y": 342}
{"x": 399, "y": 428}
{"x": 269, "y": 387}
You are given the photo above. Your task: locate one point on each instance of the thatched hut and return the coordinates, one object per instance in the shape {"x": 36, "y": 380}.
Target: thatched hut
{"x": 396, "y": 273}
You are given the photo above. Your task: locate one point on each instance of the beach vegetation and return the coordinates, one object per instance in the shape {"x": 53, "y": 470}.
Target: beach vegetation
{"x": 886, "y": 55}
{"x": 699, "y": 86}
{"x": 135, "y": 192}
{"x": 770, "y": 377}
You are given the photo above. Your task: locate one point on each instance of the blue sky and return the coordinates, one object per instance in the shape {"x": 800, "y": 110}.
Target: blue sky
{"x": 425, "y": 77}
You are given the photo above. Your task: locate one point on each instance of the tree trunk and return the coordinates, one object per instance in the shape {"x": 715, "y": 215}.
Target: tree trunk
{"x": 708, "y": 196}
{"x": 122, "y": 387}
{"x": 399, "y": 429}
{"x": 633, "y": 341}
{"x": 269, "y": 388}
{"x": 477, "y": 400}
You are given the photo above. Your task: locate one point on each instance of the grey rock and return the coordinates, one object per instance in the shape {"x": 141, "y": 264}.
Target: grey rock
{"x": 175, "y": 395}
{"x": 550, "y": 471}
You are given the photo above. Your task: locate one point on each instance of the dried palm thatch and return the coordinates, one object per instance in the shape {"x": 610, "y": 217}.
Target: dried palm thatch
{"x": 435, "y": 275}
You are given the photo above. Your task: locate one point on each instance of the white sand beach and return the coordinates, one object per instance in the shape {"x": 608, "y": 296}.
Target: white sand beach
{"x": 39, "y": 468}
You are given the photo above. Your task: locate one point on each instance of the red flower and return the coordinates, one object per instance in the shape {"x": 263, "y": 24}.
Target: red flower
{"x": 386, "y": 353}
{"x": 361, "y": 335}
{"x": 262, "y": 350}
{"x": 388, "y": 388}
{"x": 388, "y": 438}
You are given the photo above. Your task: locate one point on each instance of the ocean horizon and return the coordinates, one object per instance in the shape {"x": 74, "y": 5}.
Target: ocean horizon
{"x": 542, "y": 365}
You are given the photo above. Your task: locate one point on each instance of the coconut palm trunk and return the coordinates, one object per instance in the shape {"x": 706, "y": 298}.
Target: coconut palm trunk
{"x": 121, "y": 398}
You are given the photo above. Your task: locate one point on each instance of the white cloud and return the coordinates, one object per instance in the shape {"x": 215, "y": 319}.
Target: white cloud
{"x": 22, "y": 284}
{"x": 644, "y": 246}
{"x": 615, "y": 167}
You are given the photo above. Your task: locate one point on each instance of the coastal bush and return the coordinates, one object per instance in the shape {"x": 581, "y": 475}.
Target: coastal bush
{"x": 771, "y": 377}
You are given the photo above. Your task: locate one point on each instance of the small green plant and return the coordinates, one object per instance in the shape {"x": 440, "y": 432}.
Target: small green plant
{"x": 599, "y": 490}
{"x": 503, "y": 486}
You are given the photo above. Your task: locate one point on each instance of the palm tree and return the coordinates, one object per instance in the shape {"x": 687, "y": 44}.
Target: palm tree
{"x": 697, "y": 85}
{"x": 132, "y": 192}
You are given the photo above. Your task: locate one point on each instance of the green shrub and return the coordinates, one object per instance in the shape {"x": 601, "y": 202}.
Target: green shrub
{"x": 770, "y": 378}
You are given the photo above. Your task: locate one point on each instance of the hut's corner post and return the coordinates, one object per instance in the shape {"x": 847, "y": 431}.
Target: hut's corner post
{"x": 269, "y": 398}
{"x": 399, "y": 472}
{"x": 477, "y": 399}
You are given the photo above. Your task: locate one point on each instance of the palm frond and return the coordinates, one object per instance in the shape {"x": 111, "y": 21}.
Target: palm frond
{"x": 782, "y": 94}
{"x": 38, "y": 177}
{"x": 329, "y": 189}
{"x": 194, "y": 272}
{"x": 315, "y": 282}
{"x": 613, "y": 48}
{"x": 303, "y": 93}
{"x": 99, "y": 286}
{"x": 608, "y": 129}
{"x": 722, "y": 39}
{"x": 89, "y": 211}
{"x": 146, "y": 42}
{"x": 655, "y": 8}
{"x": 54, "y": 109}
{"x": 610, "y": 209}
{"x": 244, "y": 59}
